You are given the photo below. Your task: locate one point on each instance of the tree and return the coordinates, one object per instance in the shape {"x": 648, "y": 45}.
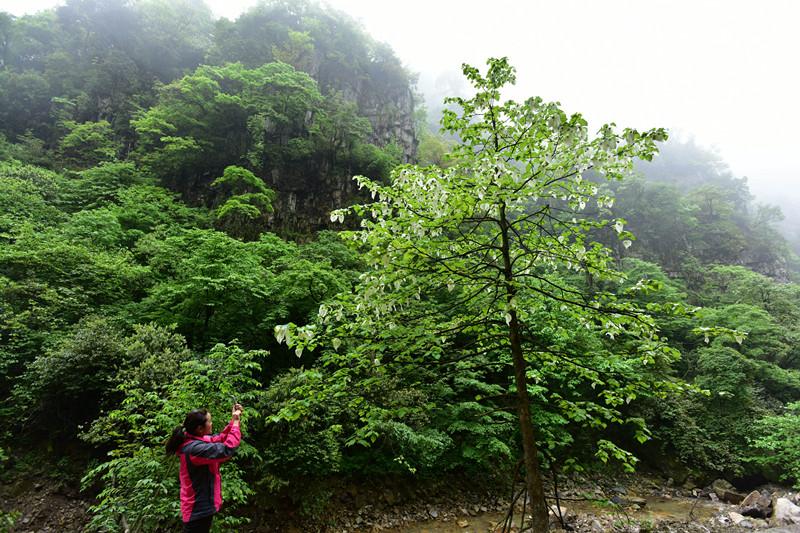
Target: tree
{"x": 505, "y": 229}
{"x": 71, "y": 384}
{"x": 23, "y": 202}
{"x": 660, "y": 218}
{"x": 298, "y": 51}
{"x": 222, "y": 116}
{"x": 214, "y": 287}
{"x": 247, "y": 199}
{"x": 88, "y": 144}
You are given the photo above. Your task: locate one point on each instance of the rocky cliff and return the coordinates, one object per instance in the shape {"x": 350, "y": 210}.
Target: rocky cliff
{"x": 305, "y": 200}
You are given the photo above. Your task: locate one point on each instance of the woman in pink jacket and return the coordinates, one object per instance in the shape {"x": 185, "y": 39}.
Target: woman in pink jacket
{"x": 201, "y": 453}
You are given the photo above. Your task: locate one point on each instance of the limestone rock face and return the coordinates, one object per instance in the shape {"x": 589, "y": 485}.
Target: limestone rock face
{"x": 392, "y": 117}
{"x": 305, "y": 199}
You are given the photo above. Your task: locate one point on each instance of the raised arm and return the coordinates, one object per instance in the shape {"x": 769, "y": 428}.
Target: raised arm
{"x": 205, "y": 452}
{"x": 222, "y": 435}
{"x": 236, "y": 414}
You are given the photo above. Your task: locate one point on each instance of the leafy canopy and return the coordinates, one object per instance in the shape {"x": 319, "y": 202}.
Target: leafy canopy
{"x": 500, "y": 240}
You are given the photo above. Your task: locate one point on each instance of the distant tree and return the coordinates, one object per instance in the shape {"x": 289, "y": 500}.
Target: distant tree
{"x": 70, "y": 384}
{"x": 222, "y": 116}
{"x": 175, "y": 35}
{"x": 342, "y": 128}
{"x": 766, "y": 339}
{"x": 342, "y": 57}
{"x": 6, "y": 25}
{"x": 661, "y": 219}
{"x": 690, "y": 210}
{"x": 146, "y": 209}
{"x": 245, "y": 199}
{"x": 776, "y": 443}
{"x": 726, "y": 285}
{"x": 214, "y": 288}
{"x": 87, "y": 145}
{"x": 24, "y": 103}
{"x": 298, "y": 51}
{"x": 98, "y": 186}
{"x": 95, "y": 228}
{"x": 23, "y": 202}
{"x": 433, "y": 149}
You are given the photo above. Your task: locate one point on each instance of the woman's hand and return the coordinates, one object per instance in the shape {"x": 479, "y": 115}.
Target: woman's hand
{"x": 237, "y": 412}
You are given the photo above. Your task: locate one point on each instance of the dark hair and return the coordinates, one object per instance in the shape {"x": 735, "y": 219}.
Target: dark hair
{"x": 194, "y": 419}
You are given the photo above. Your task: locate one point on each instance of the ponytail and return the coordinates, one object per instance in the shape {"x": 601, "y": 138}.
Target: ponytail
{"x": 193, "y": 420}
{"x": 175, "y": 440}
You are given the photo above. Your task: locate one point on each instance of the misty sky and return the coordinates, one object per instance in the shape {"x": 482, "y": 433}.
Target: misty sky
{"x": 723, "y": 71}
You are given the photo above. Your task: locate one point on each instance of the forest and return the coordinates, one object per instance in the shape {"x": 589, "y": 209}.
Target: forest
{"x": 196, "y": 212}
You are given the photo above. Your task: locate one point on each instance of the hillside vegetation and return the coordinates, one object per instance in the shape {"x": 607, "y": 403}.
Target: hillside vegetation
{"x": 167, "y": 242}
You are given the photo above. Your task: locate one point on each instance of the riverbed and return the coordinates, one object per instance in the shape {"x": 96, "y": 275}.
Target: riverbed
{"x": 657, "y": 509}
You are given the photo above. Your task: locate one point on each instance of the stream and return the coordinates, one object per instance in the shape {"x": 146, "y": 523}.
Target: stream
{"x": 658, "y": 508}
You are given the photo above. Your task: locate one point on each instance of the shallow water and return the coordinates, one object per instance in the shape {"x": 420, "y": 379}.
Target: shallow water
{"x": 657, "y": 509}
{"x": 476, "y": 524}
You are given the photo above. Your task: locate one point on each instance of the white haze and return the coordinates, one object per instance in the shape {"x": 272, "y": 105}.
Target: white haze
{"x": 725, "y": 72}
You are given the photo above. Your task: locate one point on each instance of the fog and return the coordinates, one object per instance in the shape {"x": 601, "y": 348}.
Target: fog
{"x": 722, "y": 72}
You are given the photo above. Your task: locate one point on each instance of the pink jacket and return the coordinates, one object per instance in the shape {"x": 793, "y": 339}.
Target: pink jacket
{"x": 201, "y": 488}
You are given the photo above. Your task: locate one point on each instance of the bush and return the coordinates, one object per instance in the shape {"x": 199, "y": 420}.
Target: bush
{"x": 69, "y": 385}
{"x": 778, "y": 447}
{"x": 139, "y": 484}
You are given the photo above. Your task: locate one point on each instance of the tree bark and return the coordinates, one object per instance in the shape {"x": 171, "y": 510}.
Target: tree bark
{"x": 533, "y": 477}
{"x": 540, "y": 522}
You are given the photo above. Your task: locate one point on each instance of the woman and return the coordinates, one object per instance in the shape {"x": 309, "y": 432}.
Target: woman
{"x": 201, "y": 454}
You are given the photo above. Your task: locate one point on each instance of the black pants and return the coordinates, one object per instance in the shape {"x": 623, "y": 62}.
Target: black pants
{"x": 201, "y": 525}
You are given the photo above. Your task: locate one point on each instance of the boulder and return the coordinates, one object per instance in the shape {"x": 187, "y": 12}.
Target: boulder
{"x": 735, "y": 518}
{"x": 689, "y": 484}
{"x": 633, "y": 500}
{"x": 756, "y": 505}
{"x": 732, "y": 497}
{"x": 726, "y": 492}
{"x": 630, "y": 501}
{"x": 554, "y": 511}
{"x": 751, "y": 498}
{"x": 785, "y": 513}
{"x": 719, "y": 487}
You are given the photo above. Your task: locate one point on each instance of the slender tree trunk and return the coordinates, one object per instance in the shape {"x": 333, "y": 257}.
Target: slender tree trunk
{"x": 533, "y": 477}
{"x": 206, "y": 321}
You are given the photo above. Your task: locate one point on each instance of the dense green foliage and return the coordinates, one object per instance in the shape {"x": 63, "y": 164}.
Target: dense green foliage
{"x": 778, "y": 445}
{"x": 691, "y": 210}
{"x": 295, "y": 93}
{"x": 143, "y": 153}
{"x": 139, "y": 481}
